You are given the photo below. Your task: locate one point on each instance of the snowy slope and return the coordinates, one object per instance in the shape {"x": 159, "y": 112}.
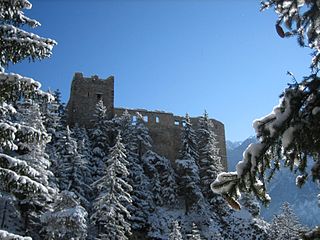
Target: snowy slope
{"x": 282, "y": 188}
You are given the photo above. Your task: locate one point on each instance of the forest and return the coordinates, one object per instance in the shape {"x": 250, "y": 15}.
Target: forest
{"x": 106, "y": 182}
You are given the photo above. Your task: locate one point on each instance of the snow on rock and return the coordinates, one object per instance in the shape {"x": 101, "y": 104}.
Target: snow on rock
{"x": 4, "y": 235}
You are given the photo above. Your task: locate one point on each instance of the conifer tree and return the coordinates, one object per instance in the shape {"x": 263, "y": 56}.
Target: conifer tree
{"x": 168, "y": 183}
{"x": 19, "y": 180}
{"x": 100, "y": 140}
{"x": 156, "y": 190}
{"x": 187, "y": 168}
{"x": 189, "y": 141}
{"x": 144, "y": 141}
{"x": 141, "y": 196}
{"x": 195, "y": 234}
{"x": 16, "y": 43}
{"x": 33, "y": 152}
{"x": 286, "y": 225}
{"x": 161, "y": 173}
{"x": 73, "y": 168}
{"x": 10, "y": 216}
{"x": 111, "y": 215}
{"x": 175, "y": 233}
{"x": 249, "y": 201}
{"x": 209, "y": 161}
{"x": 66, "y": 220}
{"x": 60, "y": 105}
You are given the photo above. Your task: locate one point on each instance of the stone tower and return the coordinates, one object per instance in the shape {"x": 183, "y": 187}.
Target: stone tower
{"x": 84, "y": 95}
{"x": 165, "y": 128}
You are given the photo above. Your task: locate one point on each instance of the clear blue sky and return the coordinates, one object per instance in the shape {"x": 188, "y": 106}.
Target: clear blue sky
{"x": 173, "y": 55}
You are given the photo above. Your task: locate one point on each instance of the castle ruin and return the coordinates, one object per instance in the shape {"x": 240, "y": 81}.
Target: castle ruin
{"x": 165, "y": 128}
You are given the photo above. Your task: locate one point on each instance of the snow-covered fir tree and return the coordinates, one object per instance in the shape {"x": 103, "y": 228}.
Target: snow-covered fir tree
{"x": 18, "y": 44}
{"x": 249, "y": 201}
{"x": 84, "y": 148}
{"x": 175, "y": 233}
{"x": 33, "y": 152}
{"x": 156, "y": 190}
{"x": 188, "y": 140}
{"x": 195, "y": 234}
{"x": 187, "y": 168}
{"x": 100, "y": 140}
{"x": 66, "y": 220}
{"x": 9, "y": 214}
{"x": 20, "y": 180}
{"x": 111, "y": 215}
{"x": 60, "y": 105}
{"x": 73, "y": 168}
{"x": 209, "y": 160}
{"x": 52, "y": 118}
{"x": 5, "y": 235}
{"x": 144, "y": 141}
{"x": 286, "y": 225}
{"x": 163, "y": 179}
{"x": 141, "y": 196}
{"x": 168, "y": 182}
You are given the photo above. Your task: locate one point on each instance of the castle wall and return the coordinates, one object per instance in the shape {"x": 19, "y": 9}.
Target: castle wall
{"x": 84, "y": 95}
{"x": 165, "y": 128}
{"x": 165, "y": 131}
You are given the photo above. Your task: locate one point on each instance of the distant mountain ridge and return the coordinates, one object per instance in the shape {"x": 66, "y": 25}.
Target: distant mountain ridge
{"x": 235, "y": 151}
{"x": 232, "y": 145}
{"x": 282, "y": 189}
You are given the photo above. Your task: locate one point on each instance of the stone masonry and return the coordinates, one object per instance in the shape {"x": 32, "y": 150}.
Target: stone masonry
{"x": 165, "y": 128}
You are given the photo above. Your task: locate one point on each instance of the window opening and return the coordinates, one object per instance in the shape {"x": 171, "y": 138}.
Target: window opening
{"x": 99, "y": 96}
{"x": 134, "y": 120}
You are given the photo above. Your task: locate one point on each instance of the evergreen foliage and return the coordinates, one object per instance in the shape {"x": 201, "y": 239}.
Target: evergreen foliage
{"x": 189, "y": 141}
{"x": 286, "y": 225}
{"x": 99, "y": 140}
{"x": 134, "y": 186}
{"x": 187, "y": 168}
{"x": 290, "y": 132}
{"x": 23, "y": 165}
{"x": 163, "y": 178}
{"x": 66, "y": 220}
{"x": 248, "y": 200}
{"x": 73, "y": 168}
{"x": 209, "y": 160}
{"x": 16, "y": 43}
{"x": 175, "y": 232}
{"x": 141, "y": 195}
{"x": 195, "y": 234}
{"x": 110, "y": 212}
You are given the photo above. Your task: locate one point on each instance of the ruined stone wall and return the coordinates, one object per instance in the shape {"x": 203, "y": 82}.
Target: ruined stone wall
{"x": 165, "y": 128}
{"x": 84, "y": 95}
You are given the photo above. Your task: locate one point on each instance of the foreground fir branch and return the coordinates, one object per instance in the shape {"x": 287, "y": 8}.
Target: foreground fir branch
{"x": 15, "y": 43}
{"x": 290, "y": 132}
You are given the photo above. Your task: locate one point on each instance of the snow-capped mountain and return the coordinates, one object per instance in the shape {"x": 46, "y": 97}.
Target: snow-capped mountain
{"x": 282, "y": 189}
{"x": 235, "y": 150}
{"x": 232, "y": 145}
